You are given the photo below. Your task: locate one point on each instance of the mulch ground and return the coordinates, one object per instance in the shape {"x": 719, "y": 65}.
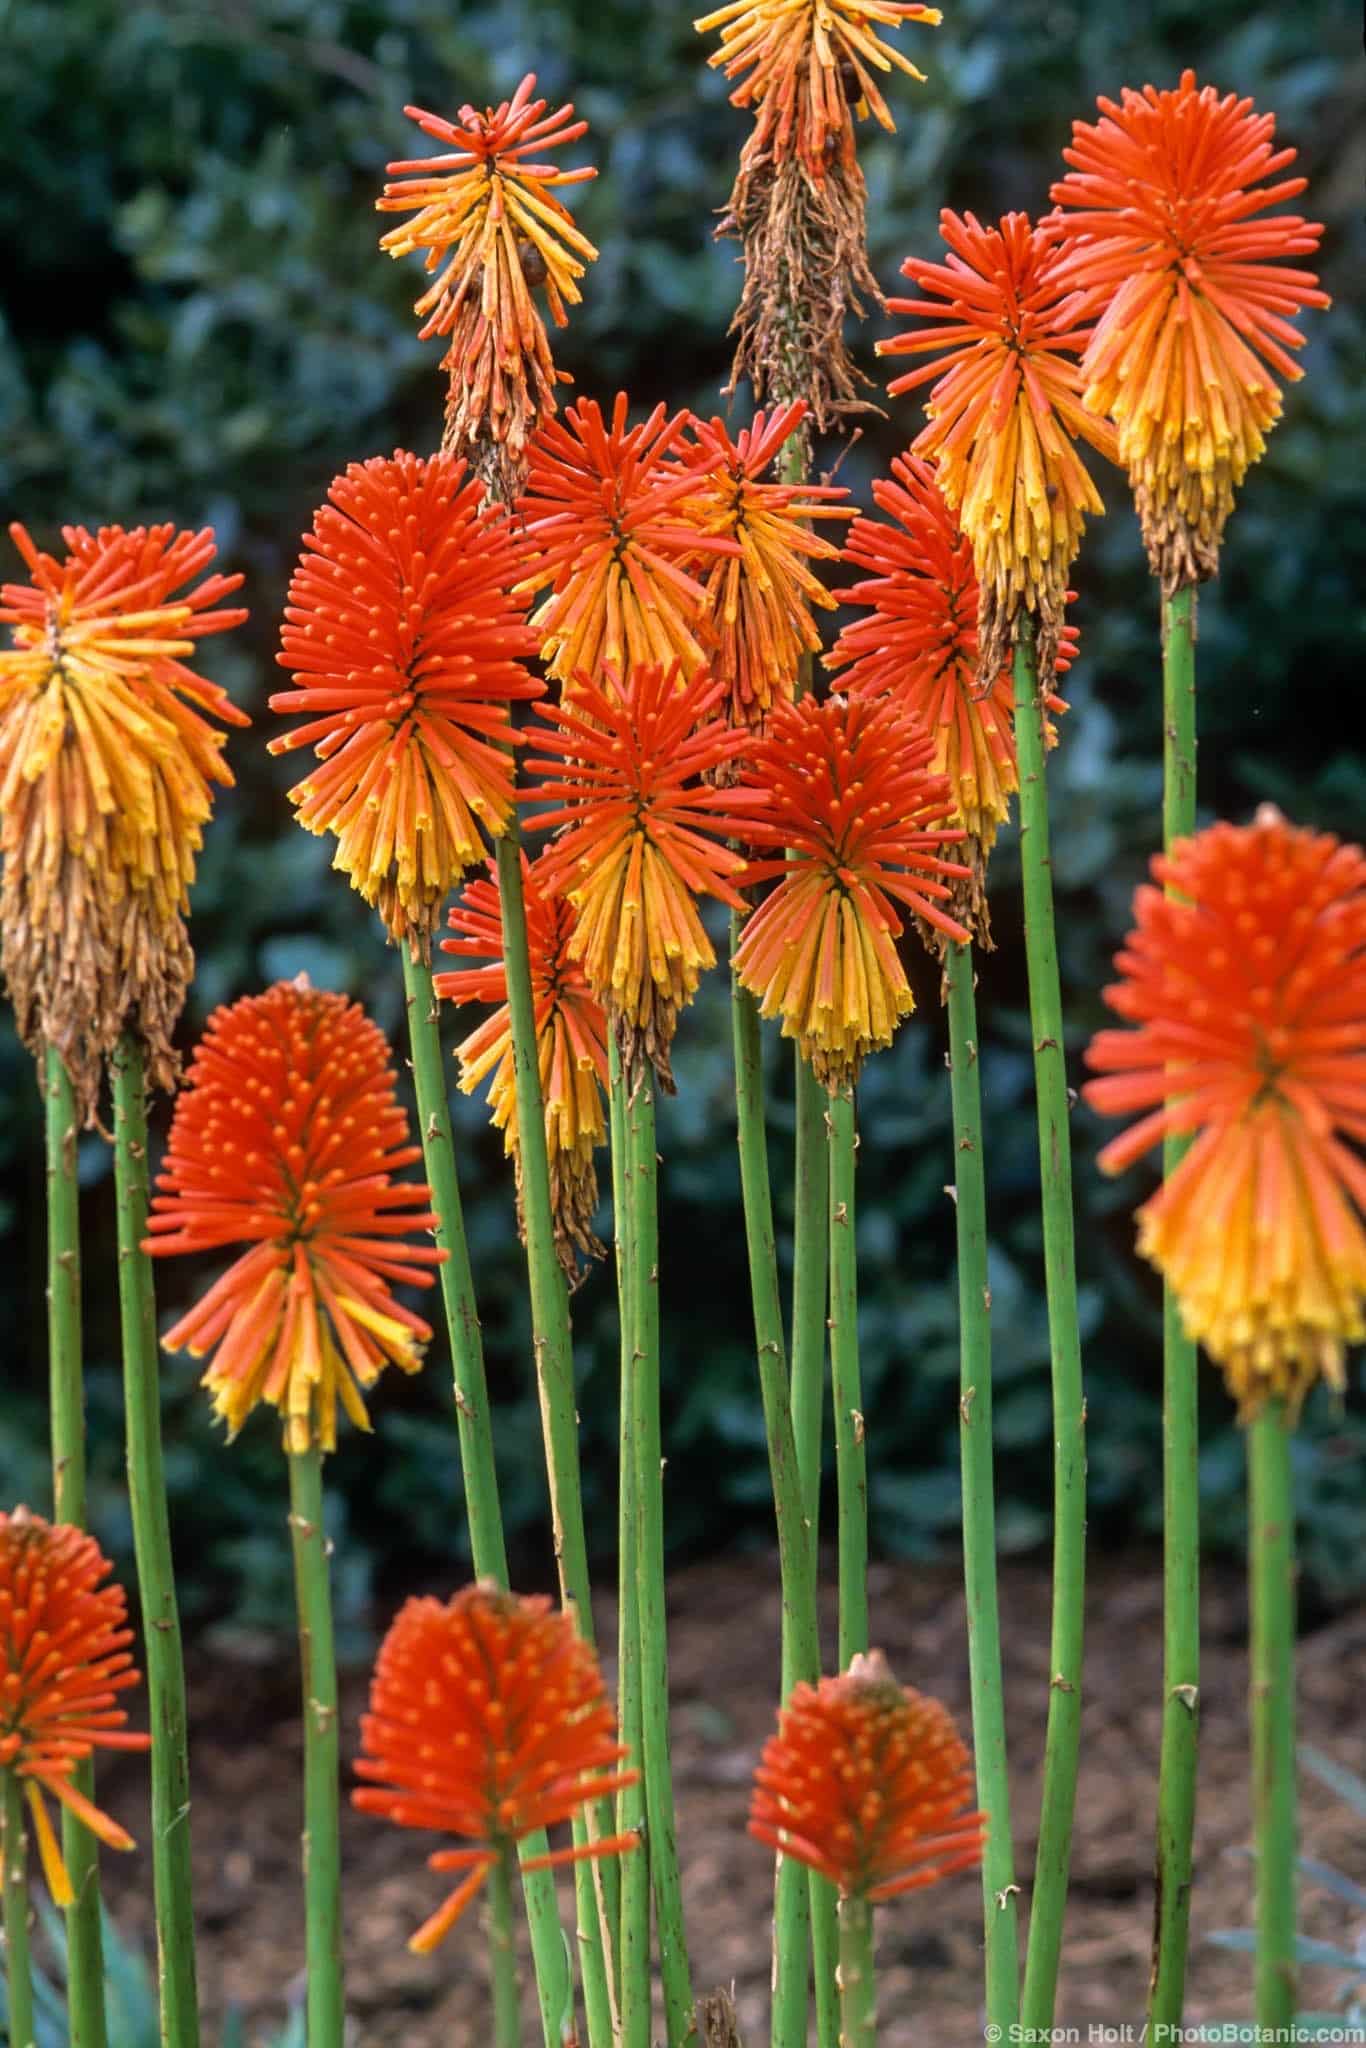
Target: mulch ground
{"x": 724, "y": 1623}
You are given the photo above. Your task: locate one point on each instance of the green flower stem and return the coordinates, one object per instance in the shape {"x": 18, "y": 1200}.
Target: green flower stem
{"x": 18, "y": 1968}
{"x": 1271, "y": 1565}
{"x": 999, "y": 1890}
{"x": 858, "y": 1982}
{"x": 1180, "y": 1433}
{"x": 171, "y": 1880}
{"x": 474, "y": 1424}
{"x": 1062, "y": 1741}
{"x": 80, "y": 1850}
{"x": 851, "y": 1467}
{"x": 322, "y": 1826}
{"x": 507, "y": 2025}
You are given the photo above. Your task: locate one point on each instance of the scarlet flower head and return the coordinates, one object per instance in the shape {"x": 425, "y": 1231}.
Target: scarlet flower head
{"x": 642, "y": 839}
{"x": 488, "y": 220}
{"x": 868, "y": 1783}
{"x": 487, "y": 1720}
{"x": 407, "y": 652}
{"x": 286, "y": 1137}
{"x": 1004, "y": 416}
{"x": 63, "y": 1663}
{"x": 1248, "y": 991}
{"x": 845, "y": 797}
{"x": 1197, "y": 296}
{"x": 571, "y": 1043}
{"x": 108, "y": 756}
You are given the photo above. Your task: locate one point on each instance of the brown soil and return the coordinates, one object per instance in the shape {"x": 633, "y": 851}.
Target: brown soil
{"x": 724, "y": 1620}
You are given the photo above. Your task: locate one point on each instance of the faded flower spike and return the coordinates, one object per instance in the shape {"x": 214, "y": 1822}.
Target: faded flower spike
{"x": 107, "y": 767}
{"x": 487, "y": 1720}
{"x": 286, "y": 1137}
{"x": 1160, "y": 219}
{"x": 64, "y": 1660}
{"x": 1248, "y": 991}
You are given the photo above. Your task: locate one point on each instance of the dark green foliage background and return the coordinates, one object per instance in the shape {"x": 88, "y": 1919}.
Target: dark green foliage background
{"x": 197, "y": 325}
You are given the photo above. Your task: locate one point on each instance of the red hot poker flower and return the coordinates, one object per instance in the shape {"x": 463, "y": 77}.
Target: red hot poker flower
{"x": 1248, "y": 991}
{"x": 407, "y": 652}
{"x": 286, "y": 1137}
{"x": 64, "y": 1661}
{"x": 868, "y": 1783}
{"x": 487, "y": 1720}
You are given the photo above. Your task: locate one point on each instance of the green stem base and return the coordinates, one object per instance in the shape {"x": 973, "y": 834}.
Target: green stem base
{"x": 14, "y": 1891}
{"x": 1272, "y": 1591}
{"x": 322, "y": 1826}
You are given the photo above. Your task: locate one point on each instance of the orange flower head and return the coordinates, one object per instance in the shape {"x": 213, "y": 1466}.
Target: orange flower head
{"x": 63, "y": 1663}
{"x": 1004, "y": 416}
{"x": 285, "y": 1138}
{"x": 407, "y": 652}
{"x": 857, "y": 821}
{"x": 608, "y": 524}
{"x": 1197, "y": 296}
{"x": 488, "y": 1720}
{"x": 571, "y": 1043}
{"x": 1247, "y": 985}
{"x": 642, "y": 839}
{"x": 487, "y": 219}
{"x": 107, "y": 767}
{"x": 868, "y": 1783}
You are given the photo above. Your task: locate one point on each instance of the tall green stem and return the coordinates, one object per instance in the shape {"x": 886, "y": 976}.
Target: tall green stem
{"x": 1271, "y": 1563}
{"x": 171, "y": 1879}
{"x": 1062, "y": 1741}
{"x": 999, "y": 1890}
{"x": 851, "y": 1465}
{"x": 507, "y": 2026}
{"x": 322, "y": 1833}
{"x": 80, "y": 1852}
{"x": 858, "y": 1980}
{"x": 1180, "y": 1433}
{"x": 14, "y": 1885}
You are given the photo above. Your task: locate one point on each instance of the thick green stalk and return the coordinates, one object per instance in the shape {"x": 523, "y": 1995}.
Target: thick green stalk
{"x": 851, "y": 1465}
{"x": 1180, "y": 1433}
{"x": 1271, "y": 1564}
{"x": 858, "y": 1981}
{"x": 171, "y": 1881}
{"x": 322, "y": 1826}
{"x": 554, "y": 1986}
{"x": 1062, "y": 1741}
{"x": 80, "y": 1850}
{"x": 14, "y": 1884}
{"x": 507, "y": 2025}
{"x": 999, "y": 1890}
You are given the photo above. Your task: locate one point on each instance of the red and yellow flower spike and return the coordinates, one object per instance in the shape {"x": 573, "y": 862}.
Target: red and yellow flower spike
{"x": 407, "y": 652}
{"x": 846, "y": 788}
{"x": 488, "y": 1720}
{"x": 1248, "y": 991}
{"x": 64, "y": 1660}
{"x": 1160, "y": 220}
{"x": 109, "y": 752}
{"x": 487, "y": 218}
{"x": 868, "y": 1782}
{"x": 571, "y": 1043}
{"x": 1004, "y": 416}
{"x": 641, "y": 838}
{"x": 285, "y": 1138}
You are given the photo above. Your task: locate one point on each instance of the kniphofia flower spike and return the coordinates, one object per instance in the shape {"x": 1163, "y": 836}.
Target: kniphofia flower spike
{"x": 1248, "y": 991}
{"x": 1160, "y": 218}
{"x": 64, "y": 1660}
{"x": 109, "y": 751}
{"x": 407, "y": 651}
{"x": 285, "y": 1138}
{"x": 487, "y": 1720}
{"x": 867, "y": 1782}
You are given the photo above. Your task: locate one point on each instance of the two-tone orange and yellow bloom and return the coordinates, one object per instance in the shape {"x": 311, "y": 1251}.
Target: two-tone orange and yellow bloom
{"x": 1247, "y": 989}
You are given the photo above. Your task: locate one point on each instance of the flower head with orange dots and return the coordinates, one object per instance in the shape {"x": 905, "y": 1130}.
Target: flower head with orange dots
{"x": 407, "y": 652}
{"x": 571, "y": 1043}
{"x": 109, "y": 751}
{"x": 488, "y": 1720}
{"x": 487, "y": 219}
{"x": 1160, "y": 217}
{"x": 868, "y": 1783}
{"x": 64, "y": 1660}
{"x": 1247, "y": 986}
{"x": 1004, "y": 416}
{"x": 858, "y": 824}
{"x": 285, "y": 1138}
